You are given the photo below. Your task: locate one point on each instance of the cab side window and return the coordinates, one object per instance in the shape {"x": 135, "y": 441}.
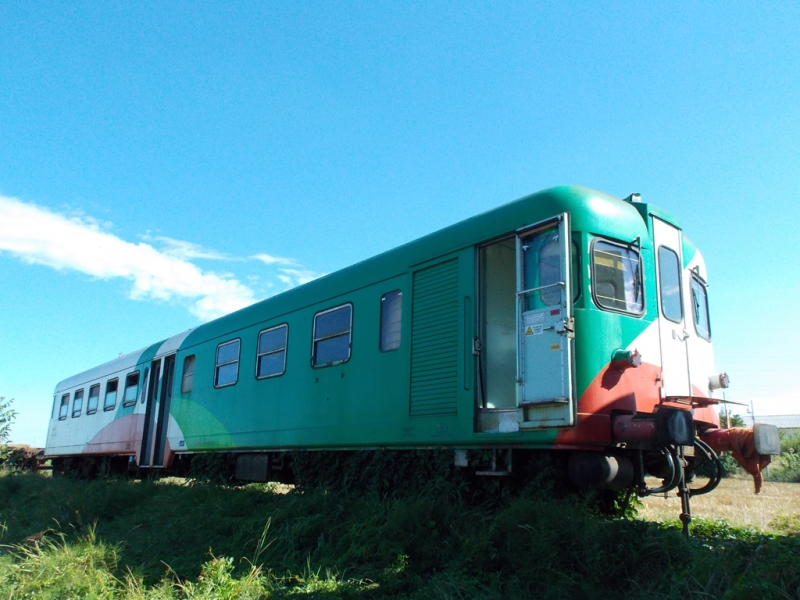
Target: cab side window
{"x": 617, "y": 278}
{"x": 700, "y": 308}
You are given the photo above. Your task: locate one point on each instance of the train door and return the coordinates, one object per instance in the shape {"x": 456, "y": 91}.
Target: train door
{"x": 162, "y": 419}
{"x": 671, "y": 318}
{"x": 544, "y": 325}
{"x": 156, "y": 416}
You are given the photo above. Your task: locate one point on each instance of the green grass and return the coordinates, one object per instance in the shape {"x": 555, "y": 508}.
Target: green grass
{"x": 786, "y": 467}
{"x": 131, "y": 539}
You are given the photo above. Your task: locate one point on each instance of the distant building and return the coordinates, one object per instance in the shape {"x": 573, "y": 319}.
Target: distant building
{"x": 788, "y": 424}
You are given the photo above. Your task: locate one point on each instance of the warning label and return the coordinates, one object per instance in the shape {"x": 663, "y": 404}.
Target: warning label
{"x": 531, "y": 318}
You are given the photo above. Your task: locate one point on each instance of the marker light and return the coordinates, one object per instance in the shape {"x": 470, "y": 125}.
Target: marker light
{"x": 719, "y": 381}
{"x": 622, "y": 360}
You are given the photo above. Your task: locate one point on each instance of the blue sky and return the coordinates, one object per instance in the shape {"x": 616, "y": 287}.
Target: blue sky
{"x": 163, "y": 163}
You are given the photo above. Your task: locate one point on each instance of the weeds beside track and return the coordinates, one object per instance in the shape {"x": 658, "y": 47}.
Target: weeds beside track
{"x": 171, "y": 539}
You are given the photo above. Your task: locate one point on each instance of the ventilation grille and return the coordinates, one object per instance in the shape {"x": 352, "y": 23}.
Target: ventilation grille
{"x": 434, "y": 340}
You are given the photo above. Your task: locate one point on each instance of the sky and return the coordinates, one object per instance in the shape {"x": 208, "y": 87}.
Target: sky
{"x": 164, "y": 163}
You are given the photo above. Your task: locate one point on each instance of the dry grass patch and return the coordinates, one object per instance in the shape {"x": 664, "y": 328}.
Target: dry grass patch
{"x": 733, "y": 501}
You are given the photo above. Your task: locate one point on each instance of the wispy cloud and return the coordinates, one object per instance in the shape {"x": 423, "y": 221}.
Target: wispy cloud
{"x": 290, "y": 272}
{"x": 294, "y": 277}
{"x": 78, "y": 243}
{"x": 275, "y": 260}
{"x": 184, "y": 250}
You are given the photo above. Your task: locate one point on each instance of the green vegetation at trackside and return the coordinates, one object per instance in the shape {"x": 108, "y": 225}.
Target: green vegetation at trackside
{"x": 784, "y": 467}
{"x": 65, "y": 538}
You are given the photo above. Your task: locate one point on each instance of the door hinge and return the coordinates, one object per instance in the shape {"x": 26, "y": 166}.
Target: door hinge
{"x": 566, "y": 327}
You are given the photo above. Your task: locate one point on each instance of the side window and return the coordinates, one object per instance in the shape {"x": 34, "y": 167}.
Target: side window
{"x": 188, "y": 374}
{"x": 64, "y": 409}
{"x": 391, "y": 320}
{"x": 77, "y": 404}
{"x": 617, "y": 278}
{"x": 332, "y": 333}
{"x": 131, "y": 389}
{"x": 550, "y": 268}
{"x": 700, "y": 304}
{"x": 111, "y": 394}
{"x": 271, "y": 352}
{"x": 226, "y": 371}
{"x": 94, "y": 396}
{"x": 541, "y": 256}
{"x": 669, "y": 281}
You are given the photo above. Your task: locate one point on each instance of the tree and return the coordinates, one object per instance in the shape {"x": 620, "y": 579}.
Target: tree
{"x": 736, "y": 421}
{"x": 7, "y": 416}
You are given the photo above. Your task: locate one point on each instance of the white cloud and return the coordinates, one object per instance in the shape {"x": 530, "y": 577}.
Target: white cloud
{"x": 290, "y": 272}
{"x": 38, "y": 235}
{"x": 268, "y": 259}
{"x": 298, "y": 276}
{"x": 184, "y": 250}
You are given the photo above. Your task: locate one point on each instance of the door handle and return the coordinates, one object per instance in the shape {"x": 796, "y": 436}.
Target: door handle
{"x": 682, "y": 336}
{"x": 566, "y": 327}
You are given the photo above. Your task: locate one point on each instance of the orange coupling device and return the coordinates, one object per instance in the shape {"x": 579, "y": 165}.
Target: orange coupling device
{"x": 752, "y": 448}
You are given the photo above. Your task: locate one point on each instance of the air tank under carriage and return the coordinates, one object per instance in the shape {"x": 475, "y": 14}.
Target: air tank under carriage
{"x": 568, "y": 321}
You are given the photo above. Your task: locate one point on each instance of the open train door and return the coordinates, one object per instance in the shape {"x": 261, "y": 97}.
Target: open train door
{"x": 545, "y": 325}
{"x": 156, "y": 420}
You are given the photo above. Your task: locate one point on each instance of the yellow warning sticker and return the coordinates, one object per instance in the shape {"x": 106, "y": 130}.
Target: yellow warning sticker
{"x": 555, "y": 347}
{"x": 529, "y": 331}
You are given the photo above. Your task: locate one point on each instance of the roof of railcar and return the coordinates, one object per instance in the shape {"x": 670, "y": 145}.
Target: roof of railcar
{"x": 590, "y": 210}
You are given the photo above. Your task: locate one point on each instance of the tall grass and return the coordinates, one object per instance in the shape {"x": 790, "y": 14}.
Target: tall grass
{"x": 786, "y": 467}
{"x": 132, "y": 539}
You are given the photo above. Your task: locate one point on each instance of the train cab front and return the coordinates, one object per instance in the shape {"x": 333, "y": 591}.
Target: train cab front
{"x": 645, "y": 381}
{"x": 594, "y": 339}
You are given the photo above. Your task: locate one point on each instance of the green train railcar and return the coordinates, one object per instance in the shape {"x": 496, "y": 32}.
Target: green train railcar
{"x": 568, "y": 320}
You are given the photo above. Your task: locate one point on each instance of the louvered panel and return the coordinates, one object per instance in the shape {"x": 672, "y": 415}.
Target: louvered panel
{"x": 434, "y": 340}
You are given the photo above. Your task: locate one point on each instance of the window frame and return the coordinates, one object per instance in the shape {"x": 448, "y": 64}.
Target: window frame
{"x": 625, "y": 246}
{"x": 76, "y": 414}
{"x": 91, "y": 411}
{"x": 314, "y": 338}
{"x": 64, "y": 407}
{"x": 218, "y": 365}
{"x": 106, "y": 405}
{"x": 696, "y": 278}
{"x": 186, "y": 358}
{"x": 285, "y": 351}
{"x": 380, "y": 328}
{"x": 126, "y": 403}
{"x": 661, "y": 287}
